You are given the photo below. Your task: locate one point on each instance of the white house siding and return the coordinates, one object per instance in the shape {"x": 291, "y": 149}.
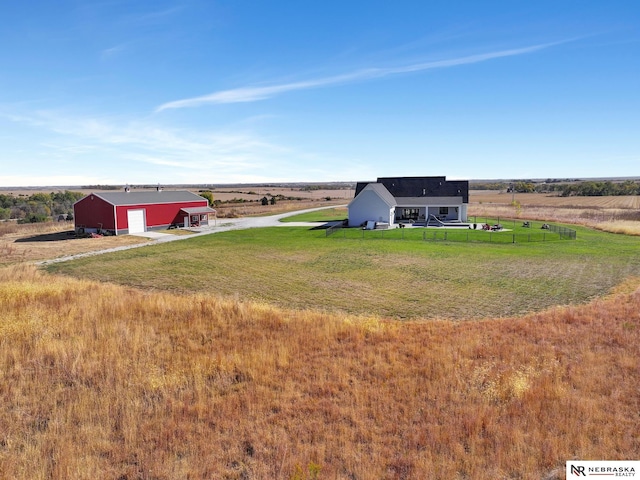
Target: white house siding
{"x": 455, "y": 208}
{"x": 369, "y": 206}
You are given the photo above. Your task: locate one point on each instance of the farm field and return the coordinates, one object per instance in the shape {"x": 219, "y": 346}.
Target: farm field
{"x": 220, "y": 193}
{"x": 104, "y": 381}
{"x": 303, "y": 269}
{"x": 616, "y": 214}
{"x": 242, "y": 200}
{"x": 543, "y": 199}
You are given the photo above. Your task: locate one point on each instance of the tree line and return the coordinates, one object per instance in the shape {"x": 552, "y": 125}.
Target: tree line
{"x": 583, "y": 188}
{"x": 38, "y": 207}
{"x": 590, "y": 188}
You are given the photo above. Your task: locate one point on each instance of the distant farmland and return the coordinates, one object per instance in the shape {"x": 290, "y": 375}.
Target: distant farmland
{"x": 550, "y": 200}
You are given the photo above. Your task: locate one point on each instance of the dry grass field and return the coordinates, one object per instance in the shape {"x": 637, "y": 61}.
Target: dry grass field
{"x": 551, "y": 200}
{"x": 40, "y": 241}
{"x": 103, "y": 381}
{"x": 616, "y": 214}
{"x": 256, "y": 193}
{"x": 299, "y": 200}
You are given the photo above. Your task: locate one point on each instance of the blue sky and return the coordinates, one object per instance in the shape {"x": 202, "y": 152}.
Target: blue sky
{"x": 205, "y": 91}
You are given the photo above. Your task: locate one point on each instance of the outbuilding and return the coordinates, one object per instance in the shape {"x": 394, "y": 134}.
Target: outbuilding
{"x": 125, "y": 211}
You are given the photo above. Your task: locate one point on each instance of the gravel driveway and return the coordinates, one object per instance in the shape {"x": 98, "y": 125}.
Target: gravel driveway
{"x": 221, "y": 225}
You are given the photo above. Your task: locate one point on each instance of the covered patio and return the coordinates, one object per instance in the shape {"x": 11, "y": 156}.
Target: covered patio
{"x": 423, "y": 210}
{"x": 196, "y": 216}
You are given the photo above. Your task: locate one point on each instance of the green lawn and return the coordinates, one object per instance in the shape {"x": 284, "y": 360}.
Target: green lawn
{"x": 410, "y": 278}
{"x": 324, "y": 215}
{"x": 511, "y": 233}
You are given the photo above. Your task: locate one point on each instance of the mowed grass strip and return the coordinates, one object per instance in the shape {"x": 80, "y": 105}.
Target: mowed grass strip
{"x": 303, "y": 269}
{"x": 324, "y": 215}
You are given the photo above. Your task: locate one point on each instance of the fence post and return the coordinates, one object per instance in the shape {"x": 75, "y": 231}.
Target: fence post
{"x": 514, "y": 238}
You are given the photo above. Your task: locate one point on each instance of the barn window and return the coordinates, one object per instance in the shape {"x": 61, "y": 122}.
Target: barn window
{"x": 444, "y": 210}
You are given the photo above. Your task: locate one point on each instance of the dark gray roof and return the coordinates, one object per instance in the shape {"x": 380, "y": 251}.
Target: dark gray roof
{"x": 360, "y": 186}
{"x": 419, "y": 201}
{"x": 146, "y": 198}
{"x": 426, "y": 187}
{"x": 403, "y": 187}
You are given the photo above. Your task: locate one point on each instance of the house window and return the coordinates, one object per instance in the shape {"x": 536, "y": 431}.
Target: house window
{"x": 444, "y": 210}
{"x": 410, "y": 213}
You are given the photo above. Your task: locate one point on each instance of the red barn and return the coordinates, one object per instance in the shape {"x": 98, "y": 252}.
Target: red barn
{"x": 135, "y": 212}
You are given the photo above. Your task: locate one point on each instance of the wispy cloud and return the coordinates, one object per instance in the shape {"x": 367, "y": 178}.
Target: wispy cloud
{"x": 222, "y": 154}
{"x": 152, "y": 18}
{"x": 112, "y": 51}
{"x": 252, "y": 94}
{"x": 115, "y": 149}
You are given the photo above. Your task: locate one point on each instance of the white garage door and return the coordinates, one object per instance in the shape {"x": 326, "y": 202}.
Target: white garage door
{"x": 135, "y": 218}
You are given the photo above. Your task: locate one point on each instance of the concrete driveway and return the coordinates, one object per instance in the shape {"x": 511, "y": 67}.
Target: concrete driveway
{"x": 152, "y": 235}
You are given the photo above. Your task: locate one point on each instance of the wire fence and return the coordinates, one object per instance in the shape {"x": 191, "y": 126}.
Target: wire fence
{"x": 491, "y": 233}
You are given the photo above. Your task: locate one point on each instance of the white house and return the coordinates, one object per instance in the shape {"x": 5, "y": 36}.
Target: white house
{"x": 421, "y": 200}
{"x": 373, "y": 203}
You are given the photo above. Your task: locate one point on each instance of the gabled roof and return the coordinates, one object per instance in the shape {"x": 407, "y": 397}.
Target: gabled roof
{"x": 147, "y": 198}
{"x": 360, "y": 186}
{"x": 381, "y": 191}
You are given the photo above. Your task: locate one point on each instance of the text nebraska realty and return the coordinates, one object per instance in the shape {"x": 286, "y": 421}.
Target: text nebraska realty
{"x": 579, "y": 470}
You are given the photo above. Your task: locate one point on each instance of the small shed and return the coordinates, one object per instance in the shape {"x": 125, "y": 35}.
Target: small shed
{"x": 125, "y": 211}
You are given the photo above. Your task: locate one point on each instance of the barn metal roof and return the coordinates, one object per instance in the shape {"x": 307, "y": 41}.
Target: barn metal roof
{"x": 146, "y": 198}
{"x": 197, "y": 210}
